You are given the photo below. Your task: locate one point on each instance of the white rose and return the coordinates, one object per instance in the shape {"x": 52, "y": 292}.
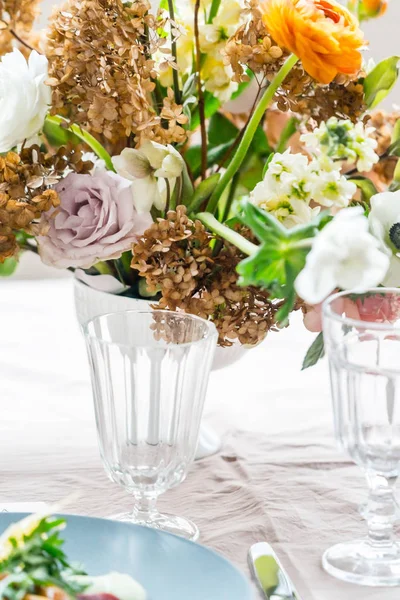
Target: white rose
{"x": 24, "y": 97}
{"x": 344, "y": 255}
{"x": 384, "y": 223}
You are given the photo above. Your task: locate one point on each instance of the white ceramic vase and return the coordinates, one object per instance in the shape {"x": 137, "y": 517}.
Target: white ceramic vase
{"x": 90, "y": 303}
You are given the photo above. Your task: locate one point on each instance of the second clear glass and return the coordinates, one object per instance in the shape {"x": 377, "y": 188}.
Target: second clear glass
{"x": 362, "y": 340}
{"x": 149, "y": 374}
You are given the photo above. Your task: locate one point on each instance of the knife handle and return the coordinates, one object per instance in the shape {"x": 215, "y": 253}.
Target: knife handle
{"x": 269, "y": 573}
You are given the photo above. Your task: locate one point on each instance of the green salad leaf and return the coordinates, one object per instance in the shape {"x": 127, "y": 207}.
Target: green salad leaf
{"x": 38, "y": 561}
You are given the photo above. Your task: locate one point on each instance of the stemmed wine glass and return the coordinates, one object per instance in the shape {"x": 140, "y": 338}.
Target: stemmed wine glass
{"x": 362, "y": 340}
{"x": 149, "y": 372}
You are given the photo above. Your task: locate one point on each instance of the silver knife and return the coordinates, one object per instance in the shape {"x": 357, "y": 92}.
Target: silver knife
{"x": 271, "y": 577}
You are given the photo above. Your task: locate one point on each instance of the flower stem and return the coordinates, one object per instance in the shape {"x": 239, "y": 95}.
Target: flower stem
{"x": 85, "y": 137}
{"x": 251, "y": 129}
{"x": 175, "y": 74}
{"x": 215, "y": 4}
{"x": 201, "y": 105}
{"x": 21, "y": 41}
{"x": 304, "y": 243}
{"x": 227, "y": 233}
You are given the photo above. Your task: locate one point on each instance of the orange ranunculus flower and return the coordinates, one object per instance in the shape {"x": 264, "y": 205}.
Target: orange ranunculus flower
{"x": 322, "y": 33}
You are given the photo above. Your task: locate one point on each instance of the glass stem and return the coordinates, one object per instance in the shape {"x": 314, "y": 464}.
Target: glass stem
{"x": 381, "y": 510}
{"x": 145, "y": 507}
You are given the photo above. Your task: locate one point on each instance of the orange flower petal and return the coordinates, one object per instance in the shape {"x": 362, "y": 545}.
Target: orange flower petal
{"x": 322, "y": 33}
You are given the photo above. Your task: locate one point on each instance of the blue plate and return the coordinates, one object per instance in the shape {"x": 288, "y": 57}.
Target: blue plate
{"x": 167, "y": 566}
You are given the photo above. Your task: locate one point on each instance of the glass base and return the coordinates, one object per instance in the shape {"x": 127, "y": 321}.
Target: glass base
{"x": 359, "y": 562}
{"x": 176, "y": 525}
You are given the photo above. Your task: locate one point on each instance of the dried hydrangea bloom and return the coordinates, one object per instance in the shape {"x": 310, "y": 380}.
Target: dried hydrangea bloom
{"x": 173, "y": 255}
{"x": 26, "y": 182}
{"x": 18, "y": 16}
{"x": 343, "y": 98}
{"x": 8, "y": 243}
{"x": 176, "y": 259}
{"x": 384, "y": 122}
{"x": 102, "y": 74}
{"x": 252, "y": 47}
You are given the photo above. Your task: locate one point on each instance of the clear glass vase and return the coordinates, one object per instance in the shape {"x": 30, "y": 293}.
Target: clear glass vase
{"x": 149, "y": 373}
{"x": 362, "y": 340}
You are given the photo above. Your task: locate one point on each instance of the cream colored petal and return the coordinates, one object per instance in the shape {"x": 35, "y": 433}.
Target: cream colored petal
{"x": 145, "y": 194}
{"x": 132, "y": 164}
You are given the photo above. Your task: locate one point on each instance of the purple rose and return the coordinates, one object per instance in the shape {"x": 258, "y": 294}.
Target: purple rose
{"x": 96, "y": 221}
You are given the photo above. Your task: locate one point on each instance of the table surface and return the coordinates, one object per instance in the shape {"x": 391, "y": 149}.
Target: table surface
{"x": 279, "y": 477}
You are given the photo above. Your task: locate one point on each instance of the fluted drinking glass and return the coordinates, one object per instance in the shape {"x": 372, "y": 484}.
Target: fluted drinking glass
{"x": 362, "y": 341}
{"x": 149, "y": 374}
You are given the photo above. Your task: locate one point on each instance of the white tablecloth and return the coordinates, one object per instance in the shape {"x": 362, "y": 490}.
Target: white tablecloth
{"x": 279, "y": 477}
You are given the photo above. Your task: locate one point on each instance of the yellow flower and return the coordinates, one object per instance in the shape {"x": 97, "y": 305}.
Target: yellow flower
{"x": 218, "y": 79}
{"x": 322, "y": 33}
{"x": 374, "y": 8}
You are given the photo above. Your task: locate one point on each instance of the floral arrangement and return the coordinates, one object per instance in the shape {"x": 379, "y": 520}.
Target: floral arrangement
{"x": 220, "y": 157}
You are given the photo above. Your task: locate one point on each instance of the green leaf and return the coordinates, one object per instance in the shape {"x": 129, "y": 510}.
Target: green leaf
{"x": 366, "y": 186}
{"x": 203, "y": 192}
{"x": 287, "y": 132}
{"x": 380, "y": 81}
{"x": 396, "y": 132}
{"x": 189, "y": 87}
{"x": 251, "y": 172}
{"x": 265, "y": 169}
{"x": 214, "y": 154}
{"x": 211, "y": 105}
{"x": 260, "y": 144}
{"x": 58, "y": 136}
{"x": 221, "y": 130}
{"x": 279, "y": 258}
{"x": 8, "y": 267}
{"x": 215, "y": 4}
{"x": 85, "y": 137}
{"x": 315, "y": 352}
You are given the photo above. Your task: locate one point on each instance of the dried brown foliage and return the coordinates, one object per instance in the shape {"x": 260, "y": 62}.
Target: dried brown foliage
{"x": 252, "y": 47}
{"x": 384, "y": 123}
{"x": 300, "y": 94}
{"x": 102, "y": 74}
{"x": 176, "y": 258}
{"x": 26, "y": 181}
{"x": 17, "y": 16}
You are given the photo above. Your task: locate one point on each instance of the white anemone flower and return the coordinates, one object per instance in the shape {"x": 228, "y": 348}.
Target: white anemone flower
{"x": 344, "y": 255}
{"x": 384, "y": 223}
{"x": 148, "y": 168}
{"x": 24, "y": 97}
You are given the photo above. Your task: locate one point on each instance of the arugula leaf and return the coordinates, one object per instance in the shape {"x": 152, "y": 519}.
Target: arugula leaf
{"x": 38, "y": 561}
{"x": 315, "y": 352}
